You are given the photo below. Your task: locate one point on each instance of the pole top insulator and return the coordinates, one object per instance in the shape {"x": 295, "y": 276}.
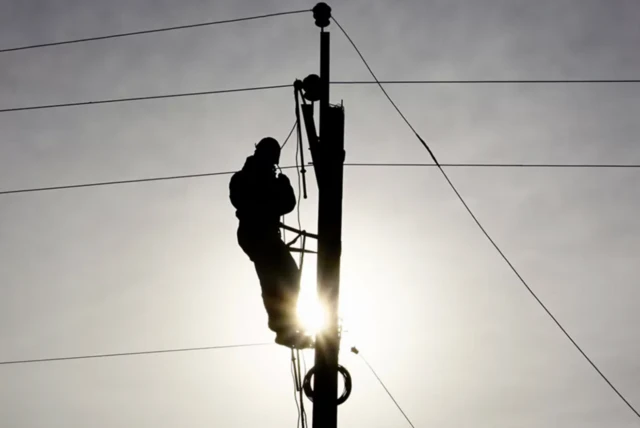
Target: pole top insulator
{"x": 322, "y": 14}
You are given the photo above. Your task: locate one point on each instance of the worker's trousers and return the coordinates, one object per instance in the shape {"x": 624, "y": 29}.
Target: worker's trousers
{"x": 278, "y": 274}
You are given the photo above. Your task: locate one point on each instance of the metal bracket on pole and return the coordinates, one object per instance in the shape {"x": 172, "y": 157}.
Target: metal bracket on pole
{"x": 309, "y": 89}
{"x": 300, "y": 148}
{"x": 299, "y": 232}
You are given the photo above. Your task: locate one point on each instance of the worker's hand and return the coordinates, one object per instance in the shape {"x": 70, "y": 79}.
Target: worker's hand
{"x": 281, "y": 176}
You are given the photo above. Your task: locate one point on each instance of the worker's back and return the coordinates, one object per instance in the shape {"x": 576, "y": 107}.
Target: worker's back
{"x": 258, "y": 195}
{"x": 260, "y": 199}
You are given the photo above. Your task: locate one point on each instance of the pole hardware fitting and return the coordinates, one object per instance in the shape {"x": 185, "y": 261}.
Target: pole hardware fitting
{"x": 310, "y": 87}
{"x": 348, "y": 385}
{"x": 322, "y": 14}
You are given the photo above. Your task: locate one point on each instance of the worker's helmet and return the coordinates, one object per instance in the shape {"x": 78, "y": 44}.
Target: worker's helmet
{"x": 268, "y": 150}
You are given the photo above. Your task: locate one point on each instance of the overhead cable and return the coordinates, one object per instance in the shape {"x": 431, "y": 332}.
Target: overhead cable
{"x": 145, "y": 98}
{"x": 355, "y": 351}
{"x": 349, "y": 164}
{"x": 483, "y": 230}
{"x": 111, "y": 183}
{"x": 259, "y": 88}
{"x": 286, "y": 140}
{"x": 156, "y": 30}
{"x": 494, "y": 165}
{"x": 481, "y": 81}
{"x": 129, "y": 354}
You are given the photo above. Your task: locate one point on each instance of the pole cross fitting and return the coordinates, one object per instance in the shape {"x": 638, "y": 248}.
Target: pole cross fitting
{"x": 322, "y": 14}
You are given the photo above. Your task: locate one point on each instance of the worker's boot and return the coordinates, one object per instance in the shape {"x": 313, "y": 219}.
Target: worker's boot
{"x": 294, "y": 339}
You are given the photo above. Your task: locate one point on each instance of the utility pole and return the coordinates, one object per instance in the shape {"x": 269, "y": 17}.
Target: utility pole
{"x": 329, "y": 165}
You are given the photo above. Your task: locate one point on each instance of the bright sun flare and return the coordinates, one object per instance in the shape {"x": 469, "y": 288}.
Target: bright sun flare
{"x": 310, "y": 313}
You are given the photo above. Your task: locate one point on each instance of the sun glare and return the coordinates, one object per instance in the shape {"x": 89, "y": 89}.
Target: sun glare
{"x": 311, "y": 315}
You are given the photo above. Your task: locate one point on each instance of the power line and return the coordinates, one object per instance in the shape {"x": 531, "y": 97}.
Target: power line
{"x": 351, "y": 164}
{"x": 286, "y": 140}
{"x": 495, "y": 165}
{"x": 480, "y": 82}
{"x": 486, "y": 234}
{"x": 129, "y": 354}
{"x": 110, "y": 183}
{"x": 387, "y": 390}
{"x": 151, "y": 97}
{"x": 157, "y": 30}
{"x": 258, "y": 88}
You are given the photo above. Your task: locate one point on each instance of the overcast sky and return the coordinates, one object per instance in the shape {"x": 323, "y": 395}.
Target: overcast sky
{"x": 446, "y": 324}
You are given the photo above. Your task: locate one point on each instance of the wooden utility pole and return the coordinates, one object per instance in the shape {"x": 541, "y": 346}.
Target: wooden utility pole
{"x": 329, "y": 164}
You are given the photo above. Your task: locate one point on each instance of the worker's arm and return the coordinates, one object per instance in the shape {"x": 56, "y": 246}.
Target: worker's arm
{"x": 286, "y": 195}
{"x": 238, "y": 190}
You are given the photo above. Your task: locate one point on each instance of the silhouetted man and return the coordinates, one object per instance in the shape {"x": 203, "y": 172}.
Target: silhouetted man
{"x": 261, "y": 197}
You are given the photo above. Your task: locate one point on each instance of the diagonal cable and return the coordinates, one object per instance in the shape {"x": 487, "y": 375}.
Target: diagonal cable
{"x": 387, "y": 390}
{"x": 222, "y": 91}
{"x": 486, "y": 234}
{"x": 156, "y": 30}
{"x": 289, "y": 135}
{"x": 350, "y": 164}
{"x": 129, "y": 354}
{"x": 111, "y": 183}
{"x": 151, "y": 97}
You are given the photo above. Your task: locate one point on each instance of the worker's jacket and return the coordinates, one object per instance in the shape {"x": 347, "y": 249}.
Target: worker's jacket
{"x": 260, "y": 198}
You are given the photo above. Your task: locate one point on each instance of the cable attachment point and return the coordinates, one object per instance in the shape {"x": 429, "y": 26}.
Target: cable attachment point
{"x": 309, "y": 87}
{"x": 348, "y": 385}
{"x": 322, "y": 14}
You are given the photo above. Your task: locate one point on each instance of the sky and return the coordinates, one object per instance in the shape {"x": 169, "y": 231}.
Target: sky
{"x": 432, "y": 307}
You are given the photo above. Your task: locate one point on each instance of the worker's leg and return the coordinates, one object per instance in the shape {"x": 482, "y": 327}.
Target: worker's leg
{"x": 289, "y": 283}
{"x": 278, "y": 274}
{"x": 273, "y": 303}
{"x": 279, "y": 280}
{"x": 255, "y": 245}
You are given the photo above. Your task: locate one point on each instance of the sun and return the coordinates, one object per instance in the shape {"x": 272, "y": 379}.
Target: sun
{"x": 312, "y": 317}
{"x": 311, "y": 314}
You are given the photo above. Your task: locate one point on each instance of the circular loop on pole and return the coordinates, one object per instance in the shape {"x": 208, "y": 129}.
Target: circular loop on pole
{"x": 322, "y": 14}
{"x": 348, "y": 385}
